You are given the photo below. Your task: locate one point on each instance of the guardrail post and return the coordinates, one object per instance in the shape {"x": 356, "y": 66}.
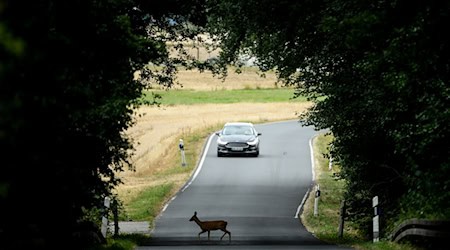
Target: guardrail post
{"x": 376, "y": 220}
{"x": 183, "y": 157}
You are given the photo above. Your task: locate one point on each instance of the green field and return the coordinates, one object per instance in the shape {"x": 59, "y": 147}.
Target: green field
{"x": 188, "y": 97}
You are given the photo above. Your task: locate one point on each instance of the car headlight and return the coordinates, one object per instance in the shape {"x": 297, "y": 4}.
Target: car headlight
{"x": 253, "y": 142}
{"x": 220, "y": 142}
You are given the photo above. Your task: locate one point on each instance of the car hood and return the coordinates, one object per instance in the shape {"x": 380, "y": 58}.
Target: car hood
{"x": 237, "y": 138}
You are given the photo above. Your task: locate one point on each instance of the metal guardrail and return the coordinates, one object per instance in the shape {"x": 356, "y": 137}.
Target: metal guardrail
{"x": 416, "y": 228}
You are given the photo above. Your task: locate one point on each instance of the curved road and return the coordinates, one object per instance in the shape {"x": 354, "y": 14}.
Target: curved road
{"x": 259, "y": 197}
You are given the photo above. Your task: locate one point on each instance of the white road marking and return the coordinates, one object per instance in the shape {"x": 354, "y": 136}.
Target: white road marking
{"x": 195, "y": 174}
{"x": 200, "y": 165}
{"x": 313, "y": 177}
{"x": 301, "y": 204}
{"x": 167, "y": 204}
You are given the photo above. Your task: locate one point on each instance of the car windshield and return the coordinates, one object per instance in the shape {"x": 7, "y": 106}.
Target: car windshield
{"x": 237, "y": 130}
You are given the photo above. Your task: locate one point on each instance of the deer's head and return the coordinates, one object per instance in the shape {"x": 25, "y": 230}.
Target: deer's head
{"x": 195, "y": 216}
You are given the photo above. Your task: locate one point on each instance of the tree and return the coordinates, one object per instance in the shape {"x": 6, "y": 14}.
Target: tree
{"x": 67, "y": 94}
{"x": 378, "y": 73}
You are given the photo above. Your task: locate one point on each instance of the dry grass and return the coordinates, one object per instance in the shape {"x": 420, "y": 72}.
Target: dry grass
{"x": 158, "y": 129}
{"x": 249, "y": 79}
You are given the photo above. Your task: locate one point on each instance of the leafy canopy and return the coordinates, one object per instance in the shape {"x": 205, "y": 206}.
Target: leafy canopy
{"x": 67, "y": 94}
{"x": 378, "y": 72}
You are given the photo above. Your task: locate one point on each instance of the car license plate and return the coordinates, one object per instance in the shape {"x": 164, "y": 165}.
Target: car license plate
{"x": 237, "y": 148}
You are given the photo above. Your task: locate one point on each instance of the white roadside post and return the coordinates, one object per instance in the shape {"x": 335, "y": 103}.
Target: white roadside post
{"x": 105, "y": 216}
{"x": 183, "y": 157}
{"x": 316, "y": 201}
{"x": 376, "y": 222}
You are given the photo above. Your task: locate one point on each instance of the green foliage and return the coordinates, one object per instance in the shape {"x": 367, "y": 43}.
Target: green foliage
{"x": 384, "y": 69}
{"x": 325, "y": 225}
{"x": 66, "y": 95}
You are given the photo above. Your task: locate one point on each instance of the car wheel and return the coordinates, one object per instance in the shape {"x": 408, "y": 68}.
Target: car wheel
{"x": 219, "y": 154}
{"x": 256, "y": 154}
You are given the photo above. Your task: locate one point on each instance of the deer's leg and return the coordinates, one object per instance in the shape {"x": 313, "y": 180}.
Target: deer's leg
{"x": 226, "y": 232}
{"x": 222, "y": 236}
{"x": 208, "y": 234}
{"x": 201, "y": 233}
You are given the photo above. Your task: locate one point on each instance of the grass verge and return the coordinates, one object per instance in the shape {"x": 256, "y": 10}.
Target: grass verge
{"x": 325, "y": 225}
{"x": 145, "y": 205}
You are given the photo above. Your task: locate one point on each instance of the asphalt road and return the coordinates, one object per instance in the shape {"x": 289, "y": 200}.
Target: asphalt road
{"x": 259, "y": 197}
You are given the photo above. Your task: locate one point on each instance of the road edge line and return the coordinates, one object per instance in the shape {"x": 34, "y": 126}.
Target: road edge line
{"x": 200, "y": 165}
{"x": 311, "y": 150}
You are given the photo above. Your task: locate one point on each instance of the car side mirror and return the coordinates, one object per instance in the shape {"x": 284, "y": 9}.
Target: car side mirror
{"x": 259, "y": 134}
{"x": 218, "y": 133}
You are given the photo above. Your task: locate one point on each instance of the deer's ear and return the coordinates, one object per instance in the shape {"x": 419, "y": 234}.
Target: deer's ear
{"x": 195, "y": 213}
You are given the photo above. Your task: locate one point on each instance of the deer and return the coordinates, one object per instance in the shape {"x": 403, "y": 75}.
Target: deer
{"x": 208, "y": 226}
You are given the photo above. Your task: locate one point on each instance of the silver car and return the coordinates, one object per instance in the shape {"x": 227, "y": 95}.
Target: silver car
{"x": 238, "y": 138}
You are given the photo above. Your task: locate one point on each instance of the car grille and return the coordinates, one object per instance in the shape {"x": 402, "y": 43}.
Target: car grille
{"x": 237, "y": 144}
